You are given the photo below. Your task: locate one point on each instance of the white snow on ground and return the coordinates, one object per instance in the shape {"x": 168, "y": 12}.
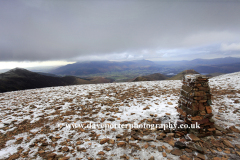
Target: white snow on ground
{"x": 33, "y": 104}
{"x": 223, "y": 103}
{"x": 51, "y": 103}
{"x": 226, "y": 81}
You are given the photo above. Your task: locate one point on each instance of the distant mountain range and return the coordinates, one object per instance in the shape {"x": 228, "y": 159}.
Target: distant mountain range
{"x": 20, "y": 79}
{"x": 145, "y": 67}
{"x": 201, "y": 62}
{"x": 98, "y": 67}
{"x": 111, "y": 71}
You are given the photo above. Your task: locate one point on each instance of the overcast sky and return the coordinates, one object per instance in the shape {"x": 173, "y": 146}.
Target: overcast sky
{"x": 36, "y": 31}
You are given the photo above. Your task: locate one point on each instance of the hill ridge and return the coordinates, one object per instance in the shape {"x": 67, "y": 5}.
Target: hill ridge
{"x": 21, "y": 79}
{"x": 180, "y": 75}
{"x": 150, "y": 77}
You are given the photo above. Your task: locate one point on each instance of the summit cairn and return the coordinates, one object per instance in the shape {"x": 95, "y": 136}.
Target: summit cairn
{"x": 195, "y": 105}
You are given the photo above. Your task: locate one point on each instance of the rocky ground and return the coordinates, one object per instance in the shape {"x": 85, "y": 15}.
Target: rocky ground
{"x": 33, "y": 122}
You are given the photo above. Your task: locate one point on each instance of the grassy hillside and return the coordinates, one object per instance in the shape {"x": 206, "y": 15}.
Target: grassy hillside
{"x": 151, "y": 77}
{"x": 20, "y": 79}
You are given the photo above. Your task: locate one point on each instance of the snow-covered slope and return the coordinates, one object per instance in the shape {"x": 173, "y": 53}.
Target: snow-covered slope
{"x": 227, "y": 81}
{"x": 32, "y": 121}
{"x": 226, "y": 94}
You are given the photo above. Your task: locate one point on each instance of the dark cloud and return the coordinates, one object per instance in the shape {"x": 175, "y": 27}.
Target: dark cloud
{"x": 113, "y": 29}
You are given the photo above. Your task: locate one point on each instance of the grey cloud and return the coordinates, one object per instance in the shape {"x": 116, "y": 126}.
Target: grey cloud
{"x": 230, "y": 47}
{"x": 68, "y": 30}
